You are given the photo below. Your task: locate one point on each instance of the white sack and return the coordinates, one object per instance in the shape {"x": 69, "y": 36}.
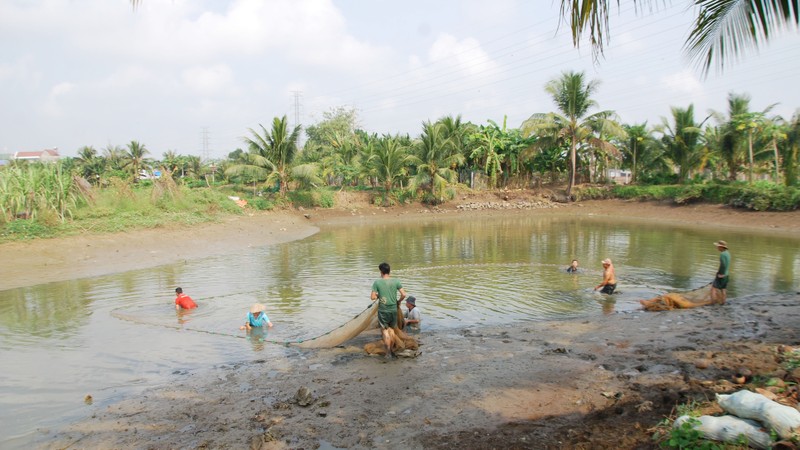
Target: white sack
{"x": 785, "y": 420}
{"x": 729, "y": 429}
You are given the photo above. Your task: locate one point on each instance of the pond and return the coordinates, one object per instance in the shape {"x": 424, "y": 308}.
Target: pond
{"x": 113, "y": 336}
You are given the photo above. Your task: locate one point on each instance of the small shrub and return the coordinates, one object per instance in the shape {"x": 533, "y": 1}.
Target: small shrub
{"x": 689, "y": 194}
{"x": 686, "y": 437}
{"x": 322, "y": 198}
{"x": 261, "y": 204}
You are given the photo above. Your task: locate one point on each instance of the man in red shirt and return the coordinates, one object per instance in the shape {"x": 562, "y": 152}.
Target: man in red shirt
{"x": 183, "y": 301}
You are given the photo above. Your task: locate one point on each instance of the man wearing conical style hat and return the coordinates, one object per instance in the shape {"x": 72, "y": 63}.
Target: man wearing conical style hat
{"x": 719, "y": 292}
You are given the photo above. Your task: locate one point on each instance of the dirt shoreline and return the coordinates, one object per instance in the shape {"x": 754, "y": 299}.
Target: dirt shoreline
{"x": 592, "y": 383}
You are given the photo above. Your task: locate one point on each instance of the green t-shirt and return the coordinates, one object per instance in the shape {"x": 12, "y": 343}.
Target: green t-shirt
{"x": 724, "y": 263}
{"x": 387, "y": 293}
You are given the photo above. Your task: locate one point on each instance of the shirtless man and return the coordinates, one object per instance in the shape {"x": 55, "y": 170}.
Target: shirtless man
{"x": 609, "y": 282}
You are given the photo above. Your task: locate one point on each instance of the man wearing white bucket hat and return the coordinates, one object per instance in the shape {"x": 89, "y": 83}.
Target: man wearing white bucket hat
{"x": 257, "y": 317}
{"x": 609, "y": 283}
{"x": 719, "y": 292}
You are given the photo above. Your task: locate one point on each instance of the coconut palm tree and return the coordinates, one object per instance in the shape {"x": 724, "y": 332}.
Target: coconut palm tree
{"x": 435, "y": 160}
{"x": 772, "y": 135}
{"x": 638, "y": 140}
{"x": 115, "y": 156}
{"x": 790, "y": 151}
{"x": 723, "y": 29}
{"x": 270, "y": 154}
{"x": 682, "y": 141}
{"x": 572, "y": 95}
{"x": 90, "y": 165}
{"x": 389, "y": 161}
{"x": 135, "y": 160}
{"x": 732, "y": 147}
{"x": 738, "y": 130}
{"x": 457, "y": 131}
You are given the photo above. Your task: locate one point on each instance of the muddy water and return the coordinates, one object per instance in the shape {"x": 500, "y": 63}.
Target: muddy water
{"x": 112, "y": 336}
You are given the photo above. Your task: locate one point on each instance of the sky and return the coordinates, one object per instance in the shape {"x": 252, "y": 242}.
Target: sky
{"x": 194, "y": 76}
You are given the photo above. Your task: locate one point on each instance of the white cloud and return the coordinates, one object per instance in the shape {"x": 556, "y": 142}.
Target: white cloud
{"x": 208, "y": 80}
{"x": 20, "y": 71}
{"x": 52, "y": 106}
{"x": 129, "y": 76}
{"x": 466, "y": 55}
{"x": 683, "y": 82}
{"x": 629, "y": 44}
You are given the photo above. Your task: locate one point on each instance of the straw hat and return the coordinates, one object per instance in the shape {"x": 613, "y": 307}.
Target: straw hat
{"x": 722, "y": 244}
{"x": 257, "y": 308}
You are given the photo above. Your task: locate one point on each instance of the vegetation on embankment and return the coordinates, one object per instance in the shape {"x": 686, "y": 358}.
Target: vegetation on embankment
{"x": 758, "y": 196}
{"x": 41, "y": 201}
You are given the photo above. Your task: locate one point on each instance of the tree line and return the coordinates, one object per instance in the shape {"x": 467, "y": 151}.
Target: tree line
{"x": 575, "y": 143}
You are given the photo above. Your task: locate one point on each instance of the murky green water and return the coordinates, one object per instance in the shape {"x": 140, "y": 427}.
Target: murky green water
{"x": 112, "y": 336}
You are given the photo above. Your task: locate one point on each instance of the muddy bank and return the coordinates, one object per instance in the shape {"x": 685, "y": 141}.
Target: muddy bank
{"x": 89, "y": 255}
{"x": 602, "y": 382}
{"x": 599, "y": 383}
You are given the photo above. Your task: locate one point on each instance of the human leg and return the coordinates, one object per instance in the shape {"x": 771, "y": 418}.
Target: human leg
{"x": 388, "y": 320}
{"x": 608, "y": 289}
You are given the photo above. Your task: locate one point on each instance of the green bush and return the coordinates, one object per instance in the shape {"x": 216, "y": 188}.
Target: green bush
{"x": 760, "y": 196}
{"x": 322, "y": 198}
{"x": 591, "y": 193}
{"x": 689, "y": 194}
{"x": 765, "y": 196}
{"x": 261, "y": 204}
{"x": 393, "y": 197}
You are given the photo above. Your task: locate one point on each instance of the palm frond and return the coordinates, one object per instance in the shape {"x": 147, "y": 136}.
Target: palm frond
{"x": 726, "y": 29}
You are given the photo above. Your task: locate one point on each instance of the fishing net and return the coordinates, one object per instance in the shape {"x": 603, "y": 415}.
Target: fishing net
{"x": 679, "y": 300}
{"x": 366, "y": 320}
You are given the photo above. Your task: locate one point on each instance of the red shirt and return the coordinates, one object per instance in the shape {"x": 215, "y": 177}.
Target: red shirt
{"x": 185, "y": 302}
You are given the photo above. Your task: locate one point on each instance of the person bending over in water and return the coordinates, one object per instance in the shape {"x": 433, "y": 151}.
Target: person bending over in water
{"x": 412, "y": 317}
{"x": 183, "y": 301}
{"x": 256, "y": 318}
{"x": 609, "y": 282}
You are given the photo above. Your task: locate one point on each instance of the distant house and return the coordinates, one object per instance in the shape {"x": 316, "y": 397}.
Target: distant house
{"x": 619, "y": 176}
{"x": 48, "y": 155}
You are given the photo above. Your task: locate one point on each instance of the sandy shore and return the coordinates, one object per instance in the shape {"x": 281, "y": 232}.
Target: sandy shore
{"x": 567, "y": 384}
{"x": 46, "y": 260}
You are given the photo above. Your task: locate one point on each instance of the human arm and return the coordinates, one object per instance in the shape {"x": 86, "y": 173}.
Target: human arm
{"x": 413, "y": 316}
{"x": 608, "y": 276}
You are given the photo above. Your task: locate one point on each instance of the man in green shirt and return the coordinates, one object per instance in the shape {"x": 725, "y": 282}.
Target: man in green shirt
{"x": 719, "y": 292}
{"x": 385, "y": 290}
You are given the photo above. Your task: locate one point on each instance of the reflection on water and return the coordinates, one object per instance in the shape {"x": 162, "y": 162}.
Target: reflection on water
{"x": 114, "y": 335}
